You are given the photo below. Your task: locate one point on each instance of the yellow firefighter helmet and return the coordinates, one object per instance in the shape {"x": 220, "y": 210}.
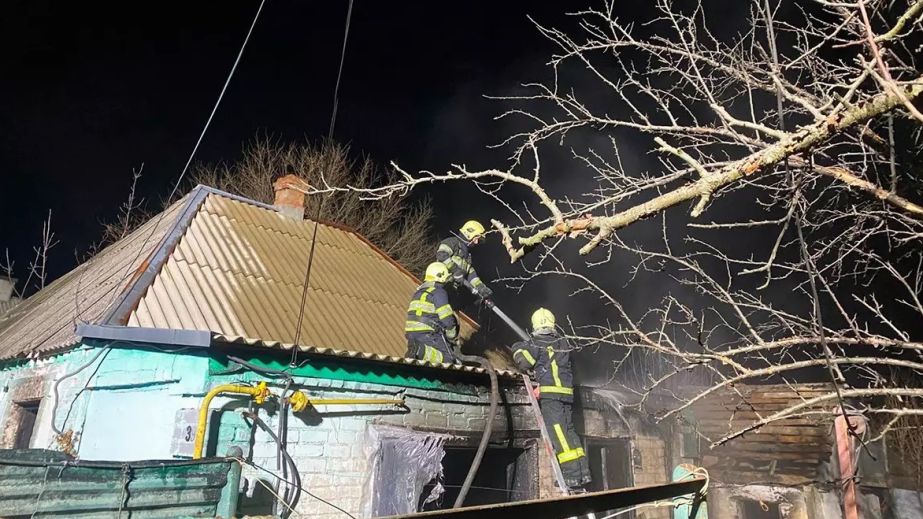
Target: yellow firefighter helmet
{"x": 472, "y": 229}
{"x": 436, "y": 271}
{"x": 542, "y": 318}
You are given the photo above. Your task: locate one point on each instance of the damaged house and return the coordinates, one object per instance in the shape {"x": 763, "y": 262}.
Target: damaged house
{"x": 114, "y": 360}
{"x": 200, "y": 308}
{"x": 787, "y": 469}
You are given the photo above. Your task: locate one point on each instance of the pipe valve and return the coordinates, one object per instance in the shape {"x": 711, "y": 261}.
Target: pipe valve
{"x": 261, "y": 393}
{"x": 298, "y": 401}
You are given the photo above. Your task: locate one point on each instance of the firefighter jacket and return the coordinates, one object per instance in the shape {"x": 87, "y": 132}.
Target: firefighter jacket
{"x": 429, "y": 312}
{"x": 548, "y": 354}
{"x": 453, "y": 251}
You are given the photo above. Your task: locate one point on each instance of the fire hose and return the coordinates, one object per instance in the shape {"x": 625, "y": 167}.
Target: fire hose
{"x": 488, "y": 427}
{"x": 494, "y": 398}
{"x": 505, "y": 318}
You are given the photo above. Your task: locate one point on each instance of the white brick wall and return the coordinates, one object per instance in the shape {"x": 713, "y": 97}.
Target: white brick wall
{"x": 331, "y": 451}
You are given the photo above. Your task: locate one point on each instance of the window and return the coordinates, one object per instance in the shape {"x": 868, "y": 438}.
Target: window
{"x": 758, "y": 510}
{"x": 610, "y": 468}
{"x": 691, "y": 443}
{"x": 414, "y": 471}
{"x": 505, "y": 475}
{"x": 24, "y": 414}
{"x": 609, "y": 464}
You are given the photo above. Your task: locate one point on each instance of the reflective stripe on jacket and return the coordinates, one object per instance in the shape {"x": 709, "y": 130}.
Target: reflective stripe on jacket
{"x": 548, "y": 354}
{"x": 453, "y": 252}
{"x": 429, "y": 311}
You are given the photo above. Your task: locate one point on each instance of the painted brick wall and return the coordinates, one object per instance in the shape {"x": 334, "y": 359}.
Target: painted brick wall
{"x": 331, "y": 450}
{"x": 124, "y": 405}
{"x": 34, "y": 380}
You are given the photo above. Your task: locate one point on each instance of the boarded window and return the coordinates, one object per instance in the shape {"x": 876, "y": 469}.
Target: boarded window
{"x": 25, "y": 414}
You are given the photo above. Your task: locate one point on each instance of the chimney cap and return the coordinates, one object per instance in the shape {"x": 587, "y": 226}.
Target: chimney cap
{"x": 290, "y": 192}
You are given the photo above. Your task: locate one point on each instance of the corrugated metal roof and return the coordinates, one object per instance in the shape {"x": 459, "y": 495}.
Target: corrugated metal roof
{"x": 361, "y": 355}
{"x": 45, "y": 322}
{"x": 235, "y": 268}
{"x": 239, "y": 271}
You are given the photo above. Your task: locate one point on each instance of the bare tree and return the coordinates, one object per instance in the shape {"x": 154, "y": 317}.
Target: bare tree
{"x": 38, "y": 265}
{"x": 401, "y": 229}
{"x": 38, "y": 268}
{"x": 130, "y": 215}
{"x": 796, "y": 145}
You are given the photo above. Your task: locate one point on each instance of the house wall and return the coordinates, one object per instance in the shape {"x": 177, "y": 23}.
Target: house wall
{"x": 126, "y": 403}
{"x": 806, "y": 502}
{"x": 28, "y": 381}
{"x": 649, "y": 450}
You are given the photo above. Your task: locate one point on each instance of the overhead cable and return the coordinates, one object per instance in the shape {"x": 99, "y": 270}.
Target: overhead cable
{"x": 195, "y": 148}
{"x": 333, "y": 118}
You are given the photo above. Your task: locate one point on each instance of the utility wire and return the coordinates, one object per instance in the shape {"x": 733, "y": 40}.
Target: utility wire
{"x": 57, "y": 394}
{"x": 336, "y": 89}
{"x": 317, "y": 213}
{"x": 286, "y": 481}
{"x": 195, "y": 148}
{"x": 805, "y": 254}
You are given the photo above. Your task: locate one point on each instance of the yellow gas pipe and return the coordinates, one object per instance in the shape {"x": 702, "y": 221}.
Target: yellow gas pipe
{"x": 259, "y": 393}
{"x": 298, "y": 400}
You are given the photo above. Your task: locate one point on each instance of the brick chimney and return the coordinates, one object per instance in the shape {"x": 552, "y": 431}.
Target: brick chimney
{"x": 290, "y": 192}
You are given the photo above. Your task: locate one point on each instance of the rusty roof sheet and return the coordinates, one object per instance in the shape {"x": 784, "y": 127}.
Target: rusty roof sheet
{"x": 44, "y": 323}
{"x": 239, "y": 271}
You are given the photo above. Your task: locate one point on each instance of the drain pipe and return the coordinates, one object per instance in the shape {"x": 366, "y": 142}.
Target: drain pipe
{"x": 488, "y": 427}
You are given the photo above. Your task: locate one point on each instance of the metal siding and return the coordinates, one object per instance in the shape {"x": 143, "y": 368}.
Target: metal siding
{"x": 44, "y": 323}
{"x": 50, "y": 485}
{"x": 239, "y": 272}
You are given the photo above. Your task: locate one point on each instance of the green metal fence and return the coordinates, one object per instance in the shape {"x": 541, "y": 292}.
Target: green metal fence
{"x": 41, "y": 483}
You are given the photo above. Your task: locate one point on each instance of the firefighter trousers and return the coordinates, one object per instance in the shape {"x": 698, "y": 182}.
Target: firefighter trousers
{"x": 559, "y": 420}
{"x": 431, "y": 347}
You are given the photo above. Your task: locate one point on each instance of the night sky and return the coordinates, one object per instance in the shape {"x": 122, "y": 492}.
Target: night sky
{"x": 94, "y": 90}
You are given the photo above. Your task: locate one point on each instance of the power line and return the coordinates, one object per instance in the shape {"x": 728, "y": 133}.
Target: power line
{"x": 195, "y": 148}
{"x": 336, "y": 89}
{"x": 333, "y": 118}
{"x": 803, "y": 248}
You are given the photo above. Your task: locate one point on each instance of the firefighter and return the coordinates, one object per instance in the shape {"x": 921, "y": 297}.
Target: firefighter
{"x": 547, "y": 353}
{"x": 431, "y": 327}
{"x": 453, "y": 253}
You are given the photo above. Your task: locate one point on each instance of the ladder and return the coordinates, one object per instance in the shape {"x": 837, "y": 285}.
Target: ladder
{"x": 546, "y": 439}
{"x": 536, "y": 410}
